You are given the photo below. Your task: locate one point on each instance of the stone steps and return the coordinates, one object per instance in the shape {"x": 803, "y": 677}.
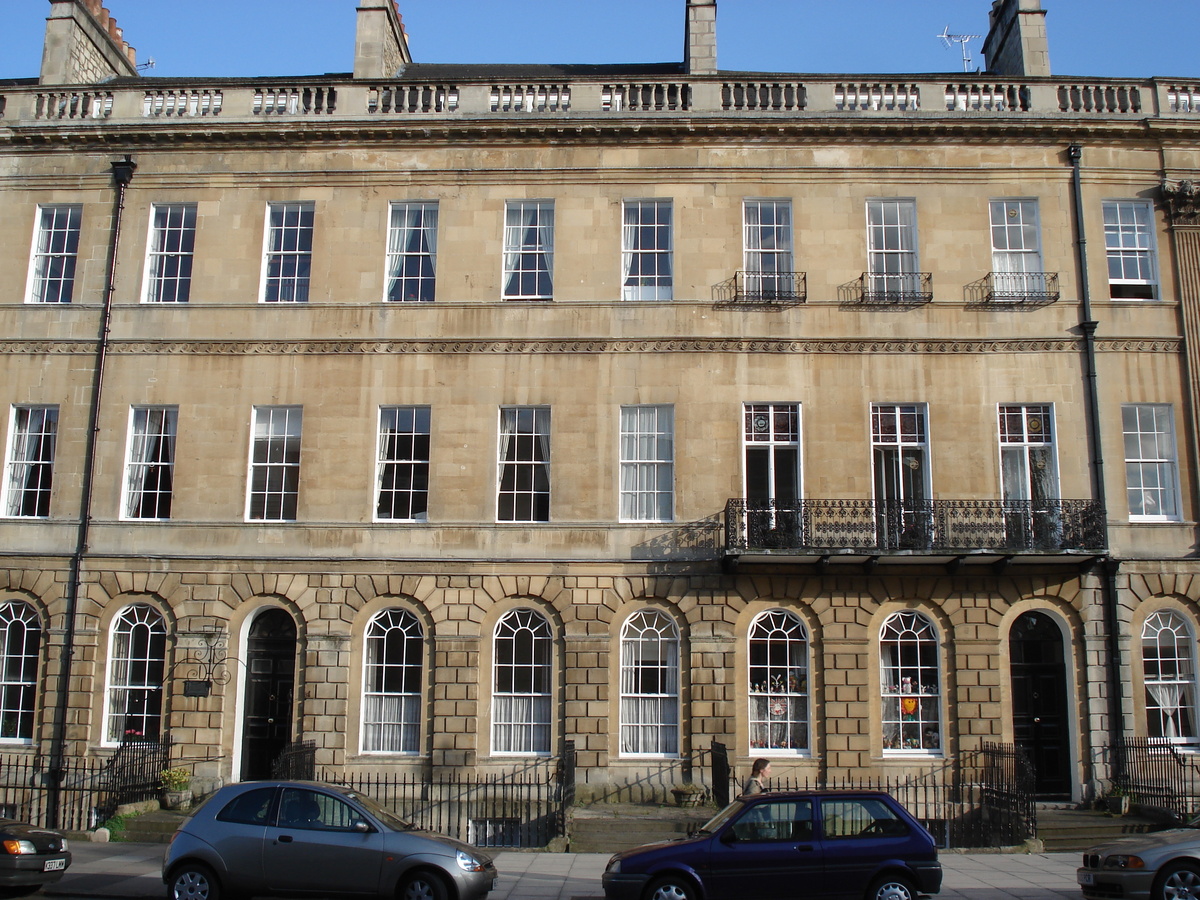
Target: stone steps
{"x": 152, "y": 827}
{"x": 1066, "y": 830}
{"x": 609, "y": 827}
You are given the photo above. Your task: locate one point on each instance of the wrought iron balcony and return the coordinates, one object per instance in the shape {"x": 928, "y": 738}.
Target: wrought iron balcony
{"x": 763, "y": 288}
{"x": 934, "y": 527}
{"x": 1015, "y": 289}
{"x": 910, "y": 289}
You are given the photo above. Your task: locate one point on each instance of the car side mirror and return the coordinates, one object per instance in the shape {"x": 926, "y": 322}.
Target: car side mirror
{"x": 728, "y": 837}
{"x": 362, "y": 827}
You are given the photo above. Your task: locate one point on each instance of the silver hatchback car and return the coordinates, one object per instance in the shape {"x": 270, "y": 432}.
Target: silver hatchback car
{"x": 296, "y": 838}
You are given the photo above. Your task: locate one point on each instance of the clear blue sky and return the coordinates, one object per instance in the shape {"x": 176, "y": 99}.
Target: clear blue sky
{"x": 1117, "y": 38}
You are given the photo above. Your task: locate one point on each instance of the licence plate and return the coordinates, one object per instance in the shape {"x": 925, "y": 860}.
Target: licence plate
{"x": 1086, "y": 878}
{"x": 53, "y": 865}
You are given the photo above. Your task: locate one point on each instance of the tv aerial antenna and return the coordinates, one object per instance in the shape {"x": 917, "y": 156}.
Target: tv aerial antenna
{"x": 148, "y": 64}
{"x": 962, "y": 39}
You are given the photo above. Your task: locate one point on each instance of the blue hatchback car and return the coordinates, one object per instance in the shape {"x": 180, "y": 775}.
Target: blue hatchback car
{"x": 833, "y": 845}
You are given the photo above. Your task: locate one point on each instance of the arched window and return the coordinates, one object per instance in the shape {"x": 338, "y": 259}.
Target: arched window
{"x": 649, "y": 685}
{"x": 910, "y": 682}
{"x": 778, "y": 683}
{"x": 392, "y": 683}
{"x": 21, "y": 640}
{"x": 1169, "y": 673}
{"x": 137, "y": 662}
{"x": 521, "y": 677}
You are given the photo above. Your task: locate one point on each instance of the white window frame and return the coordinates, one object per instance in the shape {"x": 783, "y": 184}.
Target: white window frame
{"x": 647, "y": 250}
{"x": 170, "y": 252}
{"x": 54, "y": 257}
{"x": 1151, "y": 451}
{"x": 393, "y": 673}
{"x": 287, "y": 252}
{"x": 20, "y": 654}
{"x": 30, "y": 455}
{"x": 910, "y": 684}
{"x": 522, "y": 684}
{"x": 525, "y": 435}
{"x": 768, "y": 251}
{"x": 281, "y": 429}
{"x": 647, "y": 463}
{"x": 528, "y": 250}
{"x": 1017, "y": 268}
{"x": 650, "y": 676}
{"x": 149, "y": 626}
{"x": 1169, "y": 678}
{"x": 150, "y": 460}
{"x": 401, "y": 428}
{"x": 777, "y": 654}
{"x": 893, "y": 264}
{"x": 1130, "y": 247}
{"x": 411, "y": 274}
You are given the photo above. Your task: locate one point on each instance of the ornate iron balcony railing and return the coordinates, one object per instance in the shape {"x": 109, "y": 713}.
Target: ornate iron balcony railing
{"x": 909, "y": 289}
{"x": 768, "y": 288}
{"x": 928, "y": 526}
{"x": 1021, "y": 288}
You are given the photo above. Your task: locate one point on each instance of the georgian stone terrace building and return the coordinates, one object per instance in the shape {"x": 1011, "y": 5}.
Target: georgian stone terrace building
{"x": 441, "y": 414}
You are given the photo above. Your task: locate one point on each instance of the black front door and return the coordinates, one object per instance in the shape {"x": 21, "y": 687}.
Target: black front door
{"x": 1039, "y": 698}
{"x": 270, "y": 681}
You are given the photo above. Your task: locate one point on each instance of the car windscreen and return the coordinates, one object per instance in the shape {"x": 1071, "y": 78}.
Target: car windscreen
{"x": 723, "y": 816}
{"x": 388, "y": 818}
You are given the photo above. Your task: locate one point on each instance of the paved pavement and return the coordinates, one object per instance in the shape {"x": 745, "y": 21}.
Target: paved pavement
{"x": 132, "y": 871}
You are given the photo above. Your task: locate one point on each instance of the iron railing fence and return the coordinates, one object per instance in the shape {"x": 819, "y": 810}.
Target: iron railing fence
{"x": 80, "y": 793}
{"x": 930, "y": 526}
{"x": 522, "y": 808}
{"x": 1154, "y": 773}
{"x": 889, "y": 289}
{"x": 296, "y": 762}
{"x": 981, "y": 799}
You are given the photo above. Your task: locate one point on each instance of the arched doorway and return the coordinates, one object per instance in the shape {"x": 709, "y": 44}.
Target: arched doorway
{"x": 1039, "y": 701}
{"x": 270, "y": 687}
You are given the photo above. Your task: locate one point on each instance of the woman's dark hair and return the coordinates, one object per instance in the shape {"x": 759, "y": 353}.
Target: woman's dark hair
{"x": 759, "y": 765}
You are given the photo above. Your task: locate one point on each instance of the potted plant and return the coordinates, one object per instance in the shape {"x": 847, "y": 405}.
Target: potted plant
{"x": 176, "y": 792}
{"x": 1117, "y": 800}
{"x": 688, "y": 794}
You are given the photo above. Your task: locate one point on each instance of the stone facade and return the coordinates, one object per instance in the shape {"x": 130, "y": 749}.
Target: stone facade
{"x": 211, "y": 569}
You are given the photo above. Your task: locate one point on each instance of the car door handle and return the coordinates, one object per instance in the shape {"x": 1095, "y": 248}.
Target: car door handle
{"x": 284, "y": 839}
{"x": 804, "y": 848}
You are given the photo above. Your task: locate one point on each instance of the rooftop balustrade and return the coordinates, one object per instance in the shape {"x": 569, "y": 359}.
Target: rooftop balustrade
{"x": 786, "y": 98}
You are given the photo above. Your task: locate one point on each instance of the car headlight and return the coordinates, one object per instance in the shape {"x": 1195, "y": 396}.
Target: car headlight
{"x": 614, "y": 866}
{"x": 19, "y": 848}
{"x": 1124, "y": 861}
{"x": 467, "y": 862}
{"x": 64, "y": 845}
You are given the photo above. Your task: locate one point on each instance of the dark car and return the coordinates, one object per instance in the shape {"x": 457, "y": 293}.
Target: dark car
{"x": 815, "y": 844}
{"x": 295, "y": 838}
{"x": 32, "y": 856}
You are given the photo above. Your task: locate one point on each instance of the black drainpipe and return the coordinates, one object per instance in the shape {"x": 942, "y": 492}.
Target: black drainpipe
{"x": 122, "y": 173}
{"x": 1109, "y": 566}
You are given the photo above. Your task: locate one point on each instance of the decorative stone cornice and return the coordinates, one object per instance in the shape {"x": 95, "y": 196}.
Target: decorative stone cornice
{"x": 553, "y": 346}
{"x": 1182, "y": 201}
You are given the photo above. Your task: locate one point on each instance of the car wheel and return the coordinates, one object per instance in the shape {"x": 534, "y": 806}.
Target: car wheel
{"x": 893, "y": 887}
{"x": 422, "y": 886}
{"x": 673, "y": 888}
{"x": 193, "y": 881}
{"x": 1178, "y": 881}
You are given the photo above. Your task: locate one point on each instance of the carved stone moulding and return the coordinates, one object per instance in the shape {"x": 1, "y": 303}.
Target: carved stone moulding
{"x": 1183, "y": 201}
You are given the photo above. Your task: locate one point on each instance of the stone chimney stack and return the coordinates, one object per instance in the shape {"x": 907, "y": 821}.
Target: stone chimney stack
{"x": 700, "y": 51}
{"x": 84, "y": 45}
{"x": 1016, "y": 43}
{"x": 380, "y": 42}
